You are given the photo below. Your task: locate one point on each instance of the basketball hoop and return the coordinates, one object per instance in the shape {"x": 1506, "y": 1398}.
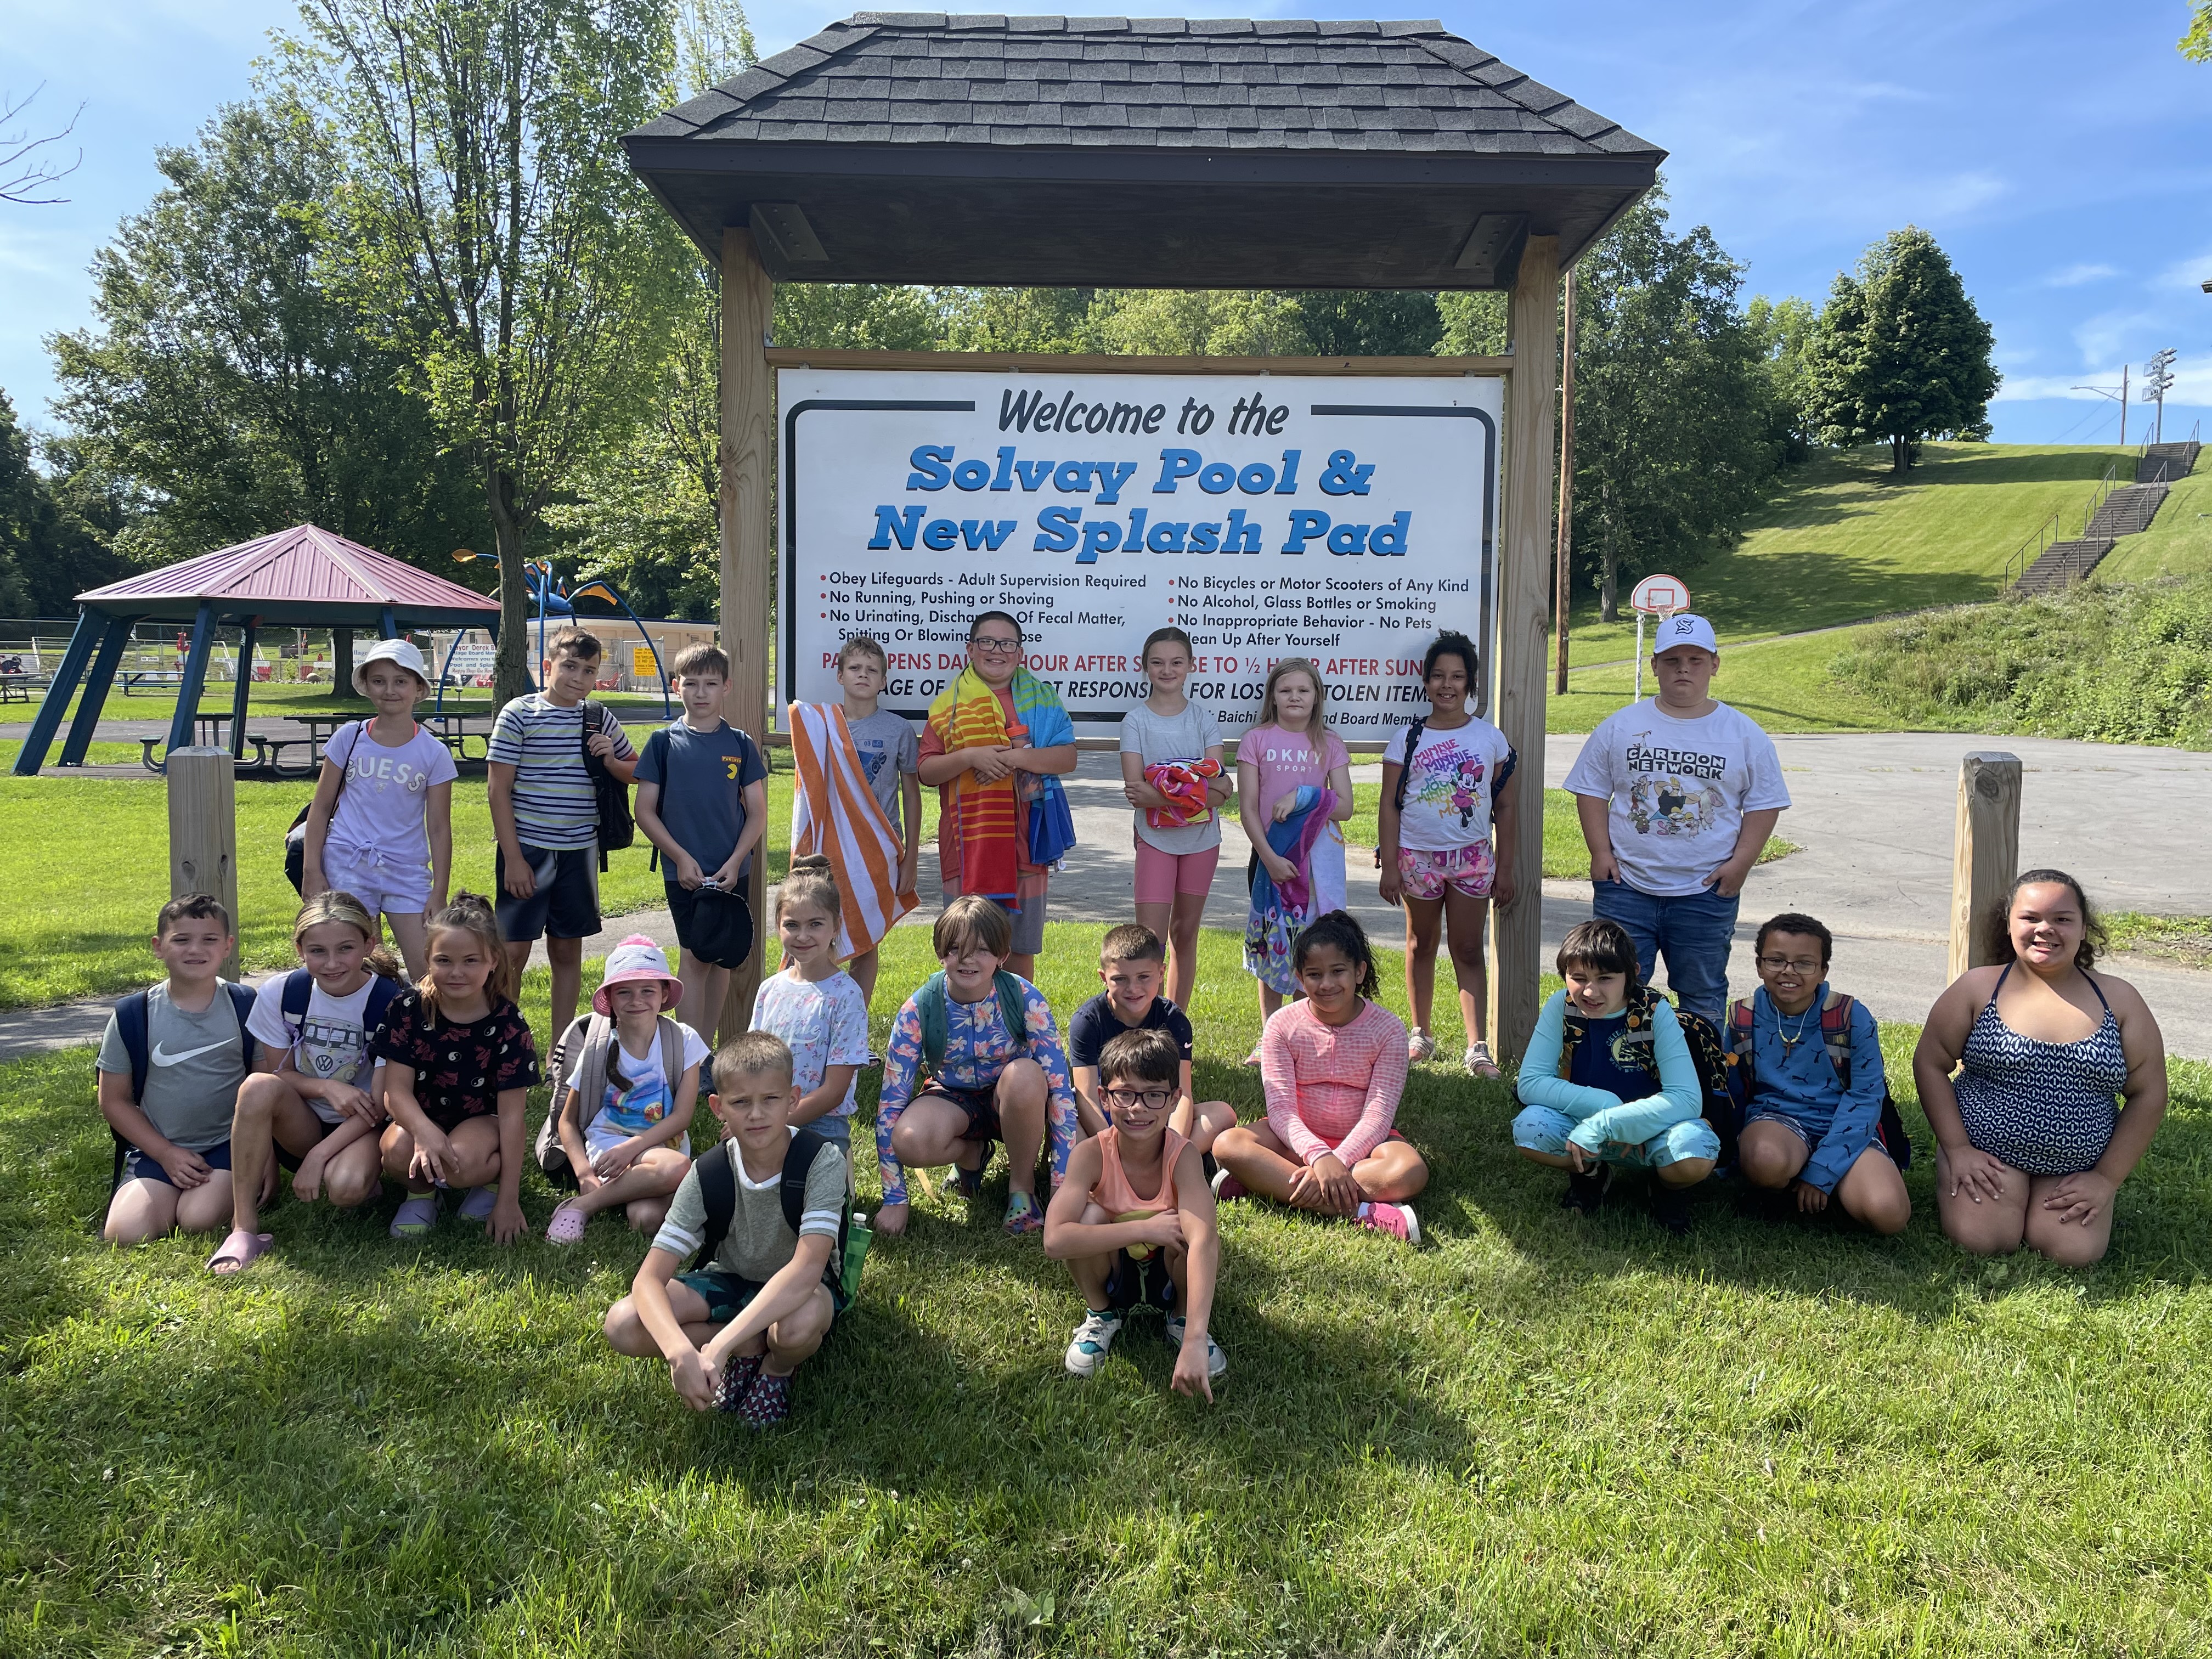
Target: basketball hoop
{"x": 1654, "y": 596}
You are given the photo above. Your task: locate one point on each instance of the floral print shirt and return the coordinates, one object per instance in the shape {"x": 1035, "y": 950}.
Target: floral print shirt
{"x": 977, "y": 1048}
{"x": 459, "y": 1069}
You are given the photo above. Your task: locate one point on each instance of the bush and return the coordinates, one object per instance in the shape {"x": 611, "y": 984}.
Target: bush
{"x": 2118, "y": 664}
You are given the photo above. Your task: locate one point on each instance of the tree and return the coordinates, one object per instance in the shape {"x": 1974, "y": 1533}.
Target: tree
{"x": 25, "y": 175}
{"x": 1900, "y": 353}
{"x": 1784, "y": 330}
{"x": 494, "y": 238}
{"x": 1364, "y": 323}
{"x": 2196, "y": 44}
{"x": 1474, "y": 324}
{"x": 227, "y": 388}
{"x": 1671, "y": 401}
{"x": 50, "y": 543}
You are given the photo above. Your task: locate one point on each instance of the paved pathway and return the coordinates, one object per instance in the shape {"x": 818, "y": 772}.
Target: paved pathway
{"x": 1873, "y": 813}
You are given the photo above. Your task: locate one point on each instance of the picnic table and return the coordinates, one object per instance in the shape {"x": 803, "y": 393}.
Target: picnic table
{"x": 453, "y": 728}
{"x": 209, "y": 722}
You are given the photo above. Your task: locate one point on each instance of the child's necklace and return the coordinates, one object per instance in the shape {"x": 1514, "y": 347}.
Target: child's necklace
{"x": 1789, "y": 1041}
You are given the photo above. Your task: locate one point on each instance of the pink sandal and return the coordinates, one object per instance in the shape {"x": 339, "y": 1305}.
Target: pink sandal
{"x": 567, "y": 1226}
{"x": 240, "y": 1249}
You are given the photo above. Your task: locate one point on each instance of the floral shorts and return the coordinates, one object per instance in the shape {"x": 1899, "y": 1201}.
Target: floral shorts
{"x": 1469, "y": 870}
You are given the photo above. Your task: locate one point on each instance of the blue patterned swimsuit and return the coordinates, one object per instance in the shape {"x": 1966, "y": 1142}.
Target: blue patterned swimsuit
{"x": 2044, "y": 1108}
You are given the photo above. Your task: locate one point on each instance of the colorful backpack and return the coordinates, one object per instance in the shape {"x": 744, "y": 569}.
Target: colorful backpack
{"x": 1718, "y": 1087}
{"x": 1835, "y": 1038}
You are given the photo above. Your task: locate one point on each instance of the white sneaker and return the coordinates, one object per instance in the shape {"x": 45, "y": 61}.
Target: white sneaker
{"x": 1217, "y": 1363}
{"x": 1419, "y": 1046}
{"x": 1478, "y": 1062}
{"x": 1093, "y": 1339}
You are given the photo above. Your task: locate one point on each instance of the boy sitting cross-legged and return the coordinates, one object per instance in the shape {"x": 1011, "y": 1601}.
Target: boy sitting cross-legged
{"x": 170, "y": 1066}
{"x": 974, "y": 1057}
{"x": 1132, "y": 963}
{"x": 762, "y": 1294}
{"x": 1134, "y": 1219}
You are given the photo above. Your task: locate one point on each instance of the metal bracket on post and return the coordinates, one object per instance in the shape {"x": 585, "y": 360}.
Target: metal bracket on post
{"x": 1985, "y": 851}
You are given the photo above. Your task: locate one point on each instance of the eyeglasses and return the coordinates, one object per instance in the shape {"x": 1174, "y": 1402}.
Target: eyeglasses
{"x": 997, "y": 645}
{"x": 1789, "y": 965}
{"x": 1152, "y": 1100}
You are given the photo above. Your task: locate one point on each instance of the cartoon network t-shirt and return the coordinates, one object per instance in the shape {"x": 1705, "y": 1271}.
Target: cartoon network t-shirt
{"x": 1678, "y": 790}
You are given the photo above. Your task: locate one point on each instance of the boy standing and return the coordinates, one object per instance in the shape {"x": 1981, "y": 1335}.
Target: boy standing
{"x": 544, "y": 811}
{"x": 702, "y": 800}
{"x": 891, "y": 754}
{"x": 170, "y": 1066}
{"x": 1133, "y": 961}
{"x": 1677, "y": 797}
{"x": 735, "y": 1329}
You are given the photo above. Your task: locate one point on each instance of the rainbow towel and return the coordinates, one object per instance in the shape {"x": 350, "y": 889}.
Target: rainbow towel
{"x": 1184, "y": 782}
{"x": 834, "y": 812}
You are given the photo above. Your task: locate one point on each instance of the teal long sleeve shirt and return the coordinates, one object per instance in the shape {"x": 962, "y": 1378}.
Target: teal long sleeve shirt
{"x": 1601, "y": 1115}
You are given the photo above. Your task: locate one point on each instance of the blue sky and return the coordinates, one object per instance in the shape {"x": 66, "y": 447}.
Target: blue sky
{"x": 2058, "y": 151}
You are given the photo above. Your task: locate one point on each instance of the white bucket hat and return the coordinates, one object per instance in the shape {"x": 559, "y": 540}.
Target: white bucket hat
{"x": 402, "y": 652}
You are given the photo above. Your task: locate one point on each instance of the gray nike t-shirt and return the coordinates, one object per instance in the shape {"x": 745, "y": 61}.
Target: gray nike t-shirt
{"x": 194, "y": 1064}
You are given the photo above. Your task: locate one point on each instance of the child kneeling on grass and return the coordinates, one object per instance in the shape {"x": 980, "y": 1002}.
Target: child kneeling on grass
{"x": 974, "y": 1057}
{"x": 458, "y": 1064}
{"x": 1334, "y": 1066}
{"x": 170, "y": 1066}
{"x": 1608, "y": 1082}
{"x": 761, "y": 1292}
{"x": 1132, "y": 962}
{"x": 624, "y": 1105}
{"x": 1134, "y": 1219}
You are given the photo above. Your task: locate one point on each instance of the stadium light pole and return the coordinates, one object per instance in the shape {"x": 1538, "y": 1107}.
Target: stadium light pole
{"x": 2157, "y": 376}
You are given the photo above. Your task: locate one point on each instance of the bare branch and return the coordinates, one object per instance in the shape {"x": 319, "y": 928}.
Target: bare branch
{"x": 24, "y": 172}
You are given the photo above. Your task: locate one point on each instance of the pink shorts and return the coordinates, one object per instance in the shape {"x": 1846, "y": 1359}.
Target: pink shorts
{"x": 1467, "y": 870}
{"x": 1162, "y": 876}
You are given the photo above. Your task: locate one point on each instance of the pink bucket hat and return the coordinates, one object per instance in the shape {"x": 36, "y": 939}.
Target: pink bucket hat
{"x": 637, "y": 958}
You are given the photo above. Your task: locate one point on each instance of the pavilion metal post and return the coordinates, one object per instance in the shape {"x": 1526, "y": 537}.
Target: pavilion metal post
{"x": 193, "y": 677}
{"x": 744, "y": 506}
{"x": 48, "y": 719}
{"x": 239, "y": 692}
{"x": 97, "y": 684}
{"x": 1525, "y": 569}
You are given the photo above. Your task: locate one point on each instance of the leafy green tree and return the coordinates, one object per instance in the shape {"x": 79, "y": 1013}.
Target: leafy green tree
{"x": 2196, "y": 44}
{"x": 1671, "y": 402}
{"x": 227, "y": 388}
{"x": 51, "y": 544}
{"x": 1369, "y": 322}
{"x": 1900, "y": 353}
{"x": 1784, "y": 330}
{"x": 492, "y": 237}
{"x": 1473, "y": 323}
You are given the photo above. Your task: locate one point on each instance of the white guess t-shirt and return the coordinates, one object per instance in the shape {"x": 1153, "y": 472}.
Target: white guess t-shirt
{"x": 331, "y": 1040}
{"x": 1448, "y": 785}
{"x": 1678, "y": 790}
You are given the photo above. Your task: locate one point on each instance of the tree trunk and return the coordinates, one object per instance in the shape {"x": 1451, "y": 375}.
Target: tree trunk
{"x": 511, "y": 665}
{"x": 1608, "y": 584}
{"x": 1900, "y": 454}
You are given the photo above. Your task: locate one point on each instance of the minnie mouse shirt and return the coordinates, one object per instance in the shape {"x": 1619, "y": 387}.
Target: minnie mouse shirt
{"x": 1449, "y": 784}
{"x": 459, "y": 1069}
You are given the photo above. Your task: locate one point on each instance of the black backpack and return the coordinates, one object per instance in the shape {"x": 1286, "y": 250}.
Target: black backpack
{"x": 130, "y": 1022}
{"x": 618, "y": 826}
{"x": 1405, "y": 767}
{"x": 1718, "y": 1087}
{"x": 717, "y": 1185}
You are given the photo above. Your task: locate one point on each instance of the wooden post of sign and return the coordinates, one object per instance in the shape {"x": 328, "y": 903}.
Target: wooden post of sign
{"x": 744, "y": 504}
{"x": 1562, "y": 575}
{"x": 204, "y": 830}
{"x": 1984, "y": 851}
{"x": 1524, "y": 566}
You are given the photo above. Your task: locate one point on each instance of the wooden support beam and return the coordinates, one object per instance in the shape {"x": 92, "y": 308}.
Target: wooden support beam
{"x": 1524, "y": 570}
{"x": 745, "y": 507}
{"x": 204, "y": 830}
{"x": 1984, "y": 852}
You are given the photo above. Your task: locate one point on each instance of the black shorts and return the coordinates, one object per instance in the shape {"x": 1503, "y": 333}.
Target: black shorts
{"x": 1130, "y": 1282}
{"x": 722, "y": 935}
{"x": 980, "y": 1105}
{"x": 567, "y": 903}
{"x": 137, "y": 1166}
{"x": 728, "y": 1295}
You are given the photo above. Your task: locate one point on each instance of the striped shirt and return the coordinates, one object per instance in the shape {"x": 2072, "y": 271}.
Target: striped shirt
{"x": 555, "y": 806}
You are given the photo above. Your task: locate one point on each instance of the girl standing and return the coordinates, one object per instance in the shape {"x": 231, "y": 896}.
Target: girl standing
{"x": 623, "y": 1111}
{"x": 814, "y": 1005}
{"x": 1172, "y": 773}
{"x": 383, "y": 808}
{"x": 458, "y": 1064}
{"x": 1447, "y": 789}
{"x": 1333, "y": 1067}
{"x": 1284, "y": 765}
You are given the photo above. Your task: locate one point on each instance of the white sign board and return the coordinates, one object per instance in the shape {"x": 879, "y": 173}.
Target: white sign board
{"x": 1659, "y": 596}
{"x": 1343, "y": 519}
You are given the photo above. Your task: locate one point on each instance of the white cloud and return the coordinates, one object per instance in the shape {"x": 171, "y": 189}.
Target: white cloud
{"x": 2076, "y": 276}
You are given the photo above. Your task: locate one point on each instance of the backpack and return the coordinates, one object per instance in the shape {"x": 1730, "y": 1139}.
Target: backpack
{"x": 717, "y": 1185}
{"x": 299, "y": 990}
{"x": 296, "y": 837}
{"x": 597, "y": 1033}
{"x": 1835, "y": 1038}
{"x": 929, "y": 1007}
{"x": 617, "y": 827}
{"x": 130, "y": 1024}
{"x": 1716, "y": 1090}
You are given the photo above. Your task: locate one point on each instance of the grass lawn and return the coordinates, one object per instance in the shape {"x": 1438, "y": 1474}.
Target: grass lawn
{"x": 2187, "y": 939}
{"x": 276, "y": 698}
{"x": 1566, "y": 858}
{"x": 1840, "y": 541}
{"x": 1785, "y": 684}
{"x": 2179, "y": 542}
{"x": 1534, "y": 1434}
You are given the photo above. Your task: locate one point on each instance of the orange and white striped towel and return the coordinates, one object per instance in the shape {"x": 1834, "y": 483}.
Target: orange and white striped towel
{"x": 834, "y": 812}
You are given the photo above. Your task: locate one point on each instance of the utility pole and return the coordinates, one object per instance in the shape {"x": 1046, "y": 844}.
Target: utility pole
{"x": 1563, "y": 552}
{"x": 2122, "y": 395}
{"x": 2157, "y": 376}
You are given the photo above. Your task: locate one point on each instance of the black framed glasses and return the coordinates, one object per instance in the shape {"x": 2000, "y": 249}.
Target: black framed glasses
{"x": 1152, "y": 1100}
{"x": 1789, "y": 965}
{"x": 998, "y": 645}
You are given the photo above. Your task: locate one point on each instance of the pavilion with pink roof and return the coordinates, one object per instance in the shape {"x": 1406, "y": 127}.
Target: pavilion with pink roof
{"x": 300, "y": 577}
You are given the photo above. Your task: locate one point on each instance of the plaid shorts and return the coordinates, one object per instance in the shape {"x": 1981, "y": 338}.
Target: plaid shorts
{"x": 1469, "y": 870}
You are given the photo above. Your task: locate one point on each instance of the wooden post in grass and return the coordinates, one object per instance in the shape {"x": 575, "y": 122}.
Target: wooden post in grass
{"x": 204, "y": 830}
{"x": 1985, "y": 851}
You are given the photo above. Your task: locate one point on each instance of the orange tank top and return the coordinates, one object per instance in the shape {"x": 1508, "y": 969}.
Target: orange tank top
{"x": 1115, "y": 1196}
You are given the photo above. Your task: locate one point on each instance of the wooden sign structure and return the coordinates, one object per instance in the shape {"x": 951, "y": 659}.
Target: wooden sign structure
{"x": 989, "y": 151}
{"x": 1985, "y": 852}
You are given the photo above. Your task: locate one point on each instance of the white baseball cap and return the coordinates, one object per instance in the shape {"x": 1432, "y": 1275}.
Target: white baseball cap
{"x": 402, "y": 652}
{"x": 1685, "y": 628}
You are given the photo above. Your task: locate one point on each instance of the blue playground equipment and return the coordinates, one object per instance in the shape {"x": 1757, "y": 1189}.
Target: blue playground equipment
{"x": 554, "y": 598}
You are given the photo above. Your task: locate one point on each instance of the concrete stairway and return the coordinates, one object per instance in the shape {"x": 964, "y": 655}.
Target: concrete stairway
{"x": 2063, "y": 565}
{"x": 2127, "y": 511}
{"x": 2164, "y": 463}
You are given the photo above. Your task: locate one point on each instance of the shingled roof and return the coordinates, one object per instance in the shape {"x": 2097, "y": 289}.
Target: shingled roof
{"x": 1244, "y": 105}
